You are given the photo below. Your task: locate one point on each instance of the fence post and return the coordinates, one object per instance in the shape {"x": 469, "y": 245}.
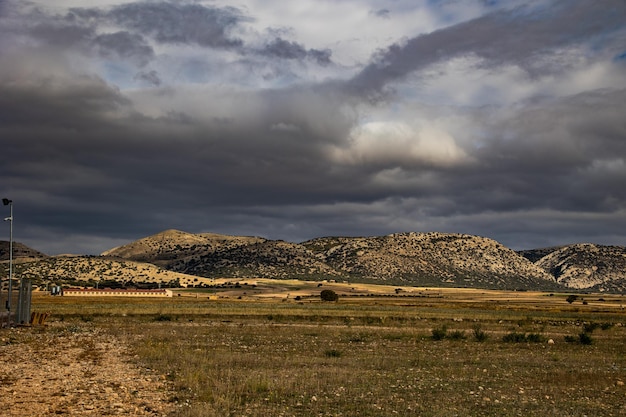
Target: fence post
{"x": 23, "y": 302}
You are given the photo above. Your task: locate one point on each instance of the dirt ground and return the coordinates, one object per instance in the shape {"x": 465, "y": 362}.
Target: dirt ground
{"x": 76, "y": 372}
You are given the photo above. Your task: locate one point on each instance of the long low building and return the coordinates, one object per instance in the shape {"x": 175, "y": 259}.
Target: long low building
{"x": 108, "y": 292}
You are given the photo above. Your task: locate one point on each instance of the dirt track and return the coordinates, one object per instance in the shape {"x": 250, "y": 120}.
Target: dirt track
{"x": 74, "y": 371}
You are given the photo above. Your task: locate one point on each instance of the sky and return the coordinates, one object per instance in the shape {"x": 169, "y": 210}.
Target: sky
{"x": 293, "y": 120}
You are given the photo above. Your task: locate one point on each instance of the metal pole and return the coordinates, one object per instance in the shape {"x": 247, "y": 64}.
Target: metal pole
{"x": 8, "y": 202}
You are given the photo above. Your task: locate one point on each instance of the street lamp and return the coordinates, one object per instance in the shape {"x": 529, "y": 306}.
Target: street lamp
{"x": 7, "y": 202}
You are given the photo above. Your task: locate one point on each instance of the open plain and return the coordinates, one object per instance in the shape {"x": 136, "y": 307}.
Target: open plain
{"x": 262, "y": 347}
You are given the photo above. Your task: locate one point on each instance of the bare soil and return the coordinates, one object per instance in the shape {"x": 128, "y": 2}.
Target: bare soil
{"x": 75, "y": 371}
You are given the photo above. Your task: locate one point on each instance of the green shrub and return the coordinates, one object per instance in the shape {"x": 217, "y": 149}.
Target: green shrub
{"x": 439, "y": 333}
{"x": 535, "y": 338}
{"x": 523, "y": 337}
{"x": 457, "y": 335}
{"x": 163, "y": 317}
{"x": 332, "y": 353}
{"x": 585, "y": 339}
{"x": 329, "y": 295}
{"x": 514, "y": 337}
{"x": 590, "y": 327}
{"x": 479, "y": 334}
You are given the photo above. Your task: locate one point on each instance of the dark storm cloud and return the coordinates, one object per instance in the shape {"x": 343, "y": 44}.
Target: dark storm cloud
{"x": 520, "y": 37}
{"x": 124, "y": 45}
{"x": 80, "y": 155}
{"x": 281, "y": 48}
{"x": 181, "y": 23}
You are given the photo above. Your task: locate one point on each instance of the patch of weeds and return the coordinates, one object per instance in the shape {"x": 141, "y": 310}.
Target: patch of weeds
{"x": 515, "y": 337}
{"x": 535, "y": 338}
{"x": 479, "y": 333}
{"x": 590, "y": 327}
{"x": 606, "y": 325}
{"x": 585, "y": 339}
{"x": 457, "y": 335}
{"x": 397, "y": 336}
{"x": 332, "y": 353}
{"x": 86, "y": 319}
{"x": 163, "y": 317}
{"x": 439, "y": 333}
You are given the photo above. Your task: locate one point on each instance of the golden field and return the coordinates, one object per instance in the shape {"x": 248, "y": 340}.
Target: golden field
{"x": 262, "y": 347}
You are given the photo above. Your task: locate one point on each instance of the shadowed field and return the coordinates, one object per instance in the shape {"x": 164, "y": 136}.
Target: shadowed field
{"x": 377, "y": 351}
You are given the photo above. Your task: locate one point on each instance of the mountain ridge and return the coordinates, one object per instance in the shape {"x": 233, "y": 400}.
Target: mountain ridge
{"x": 408, "y": 258}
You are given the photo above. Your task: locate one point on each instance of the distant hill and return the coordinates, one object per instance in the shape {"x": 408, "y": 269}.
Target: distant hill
{"x": 95, "y": 270}
{"x": 404, "y": 258}
{"x": 171, "y": 248}
{"x": 588, "y": 266}
{"x": 432, "y": 259}
{"x": 416, "y": 259}
{"x": 19, "y": 251}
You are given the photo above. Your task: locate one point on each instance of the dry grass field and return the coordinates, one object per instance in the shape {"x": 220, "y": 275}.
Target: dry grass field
{"x": 267, "y": 348}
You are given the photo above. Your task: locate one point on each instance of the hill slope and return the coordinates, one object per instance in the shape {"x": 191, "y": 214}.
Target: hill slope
{"x": 588, "y": 266}
{"x": 404, "y": 258}
{"x": 79, "y": 270}
{"x": 19, "y": 251}
{"x": 431, "y": 259}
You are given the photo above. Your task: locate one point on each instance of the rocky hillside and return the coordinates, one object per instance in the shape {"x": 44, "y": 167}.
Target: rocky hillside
{"x": 19, "y": 251}
{"x": 405, "y": 258}
{"x": 173, "y": 249}
{"x": 588, "y": 266}
{"x": 431, "y": 259}
{"x": 107, "y": 272}
{"x": 426, "y": 259}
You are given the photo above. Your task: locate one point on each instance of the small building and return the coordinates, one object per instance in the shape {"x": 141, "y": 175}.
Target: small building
{"x": 108, "y": 292}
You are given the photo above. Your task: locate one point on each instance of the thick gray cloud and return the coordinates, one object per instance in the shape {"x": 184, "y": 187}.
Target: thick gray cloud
{"x": 124, "y": 45}
{"x": 181, "y": 23}
{"x": 509, "y": 126}
{"x": 527, "y": 37}
{"x": 284, "y": 49}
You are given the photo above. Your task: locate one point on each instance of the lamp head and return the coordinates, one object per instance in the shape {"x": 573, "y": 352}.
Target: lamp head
{"x": 6, "y": 201}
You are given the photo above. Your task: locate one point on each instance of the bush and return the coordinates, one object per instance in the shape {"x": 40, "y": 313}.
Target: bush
{"x": 585, "y": 339}
{"x": 439, "y": 333}
{"x": 571, "y": 298}
{"x": 523, "y": 337}
{"x": 332, "y": 353}
{"x": 535, "y": 338}
{"x": 479, "y": 334}
{"x": 514, "y": 337}
{"x": 457, "y": 335}
{"x": 329, "y": 295}
{"x": 163, "y": 317}
{"x": 590, "y": 327}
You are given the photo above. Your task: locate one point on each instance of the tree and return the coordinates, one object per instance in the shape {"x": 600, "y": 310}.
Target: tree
{"x": 571, "y": 298}
{"x": 329, "y": 295}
